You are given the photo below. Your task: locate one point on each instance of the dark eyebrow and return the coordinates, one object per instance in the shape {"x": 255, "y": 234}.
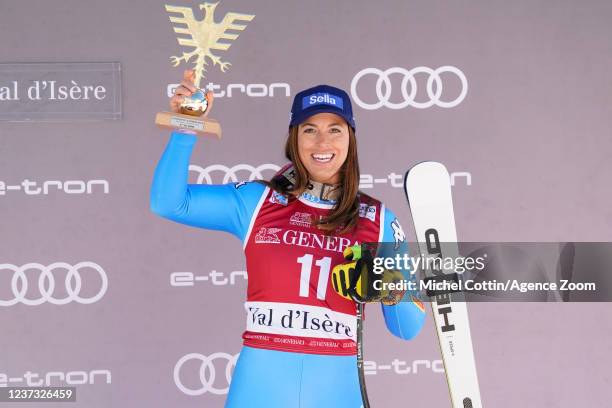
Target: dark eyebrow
{"x": 330, "y": 125}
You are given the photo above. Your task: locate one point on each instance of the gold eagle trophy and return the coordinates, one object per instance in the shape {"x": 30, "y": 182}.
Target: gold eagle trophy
{"x": 204, "y": 36}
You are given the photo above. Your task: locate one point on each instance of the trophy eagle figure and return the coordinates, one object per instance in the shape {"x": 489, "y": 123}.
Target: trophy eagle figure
{"x": 205, "y": 35}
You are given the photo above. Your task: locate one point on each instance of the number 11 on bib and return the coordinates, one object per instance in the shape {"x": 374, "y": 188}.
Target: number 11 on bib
{"x": 428, "y": 190}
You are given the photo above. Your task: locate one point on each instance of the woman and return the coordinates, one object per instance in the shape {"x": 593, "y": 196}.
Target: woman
{"x": 299, "y": 345}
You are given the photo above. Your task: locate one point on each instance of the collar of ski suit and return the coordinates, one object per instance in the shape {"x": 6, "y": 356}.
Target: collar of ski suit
{"x": 315, "y": 191}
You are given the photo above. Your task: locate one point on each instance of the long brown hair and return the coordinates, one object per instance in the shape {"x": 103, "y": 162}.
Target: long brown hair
{"x": 344, "y": 215}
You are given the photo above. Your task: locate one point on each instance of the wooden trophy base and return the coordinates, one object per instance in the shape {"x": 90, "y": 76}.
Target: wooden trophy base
{"x": 199, "y": 125}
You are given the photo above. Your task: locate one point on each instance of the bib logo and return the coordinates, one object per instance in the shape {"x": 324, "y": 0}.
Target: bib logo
{"x": 367, "y": 211}
{"x": 267, "y": 236}
{"x": 301, "y": 219}
{"x": 303, "y": 239}
{"x": 278, "y": 198}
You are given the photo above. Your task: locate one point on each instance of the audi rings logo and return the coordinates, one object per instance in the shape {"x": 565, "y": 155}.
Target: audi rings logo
{"x": 231, "y": 174}
{"x": 47, "y": 283}
{"x": 207, "y": 372}
{"x": 408, "y": 87}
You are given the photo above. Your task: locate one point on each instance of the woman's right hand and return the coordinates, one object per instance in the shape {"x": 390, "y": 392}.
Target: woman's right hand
{"x": 186, "y": 88}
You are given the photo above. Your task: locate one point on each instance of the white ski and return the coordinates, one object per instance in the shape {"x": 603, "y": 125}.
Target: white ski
{"x": 428, "y": 190}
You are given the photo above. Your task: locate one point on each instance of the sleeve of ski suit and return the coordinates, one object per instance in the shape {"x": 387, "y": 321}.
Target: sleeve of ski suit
{"x": 222, "y": 207}
{"x": 406, "y": 318}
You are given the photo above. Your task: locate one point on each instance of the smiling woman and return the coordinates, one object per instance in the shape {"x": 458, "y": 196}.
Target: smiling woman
{"x": 323, "y": 144}
{"x": 300, "y": 342}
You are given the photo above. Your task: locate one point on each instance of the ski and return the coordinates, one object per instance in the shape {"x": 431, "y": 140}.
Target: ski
{"x": 428, "y": 191}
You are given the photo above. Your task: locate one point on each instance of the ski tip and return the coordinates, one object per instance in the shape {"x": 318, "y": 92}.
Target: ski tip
{"x": 426, "y": 169}
{"x": 428, "y": 166}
